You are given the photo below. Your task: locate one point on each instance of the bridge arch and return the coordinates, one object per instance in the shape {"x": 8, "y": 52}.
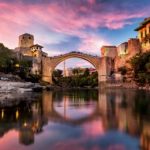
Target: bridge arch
{"x": 51, "y": 110}
{"x": 50, "y": 63}
{"x": 83, "y": 58}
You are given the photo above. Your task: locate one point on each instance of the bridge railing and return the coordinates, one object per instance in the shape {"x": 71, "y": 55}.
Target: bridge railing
{"x": 74, "y": 52}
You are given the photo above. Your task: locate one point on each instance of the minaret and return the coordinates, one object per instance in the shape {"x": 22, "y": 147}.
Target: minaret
{"x": 64, "y": 68}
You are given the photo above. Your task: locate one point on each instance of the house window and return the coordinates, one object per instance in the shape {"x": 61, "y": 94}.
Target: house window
{"x": 141, "y": 34}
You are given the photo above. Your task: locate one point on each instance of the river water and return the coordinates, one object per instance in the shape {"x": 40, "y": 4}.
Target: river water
{"x": 78, "y": 120}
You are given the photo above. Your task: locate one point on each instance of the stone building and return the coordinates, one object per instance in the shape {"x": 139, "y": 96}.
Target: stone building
{"x": 122, "y": 49}
{"x": 121, "y": 55}
{"x": 109, "y": 51}
{"x": 125, "y": 52}
{"x": 26, "y": 40}
{"x": 28, "y": 50}
{"x": 144, "y": 34}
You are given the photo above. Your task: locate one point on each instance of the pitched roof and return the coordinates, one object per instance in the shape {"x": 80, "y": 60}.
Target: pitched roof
{"x": 143, "y": 24}
{"x": 36, "y": 45}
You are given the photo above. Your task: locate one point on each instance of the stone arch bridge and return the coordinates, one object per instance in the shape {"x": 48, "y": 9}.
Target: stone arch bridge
{"x": 103, "y": 65}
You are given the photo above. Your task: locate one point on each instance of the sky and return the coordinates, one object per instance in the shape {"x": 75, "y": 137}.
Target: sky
{"x": 71, "y": 25}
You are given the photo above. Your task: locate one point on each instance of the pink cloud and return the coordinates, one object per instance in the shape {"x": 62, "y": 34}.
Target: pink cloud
{"x": 94, "y": 129}
{"x": 83, "y": 63}
{"x": 92, "y": 2}
{"x": 92, "y": 43}
{"x": 9, "y": 140}
{"x": 64, "y": 19}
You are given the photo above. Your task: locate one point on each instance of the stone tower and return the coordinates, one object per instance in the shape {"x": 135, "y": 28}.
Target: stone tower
{"x": 26, "y": 40}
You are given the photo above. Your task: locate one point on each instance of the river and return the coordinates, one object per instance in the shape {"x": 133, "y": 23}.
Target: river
{"x": 78, "y": 120}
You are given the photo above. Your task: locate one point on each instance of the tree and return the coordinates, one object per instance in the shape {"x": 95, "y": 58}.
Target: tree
{"x": 122, "y": 70}
{"x": 6, "y": 59}
{"x": 57, "y": 73}
{"x": 24, "y": 70}
{"x": 148, "y": 66}
{"x": 79, "y": 80}
{"x": 141, "y": 67}
{"x": 86, "y": 72}
{"x": 76, "y": 71}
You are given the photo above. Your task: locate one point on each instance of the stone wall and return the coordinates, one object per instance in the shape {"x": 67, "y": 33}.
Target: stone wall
{"x": 133, "y": 48}
{"x": 27, "y": 49}
{"x": 26, "y": 40}
{"x": 105, "y": 69}
{"x": 109, "y": 51}
{"x": 122, "y": 49}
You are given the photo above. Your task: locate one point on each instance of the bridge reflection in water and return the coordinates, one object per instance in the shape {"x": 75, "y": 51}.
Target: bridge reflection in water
{"x": 95, "y": 112}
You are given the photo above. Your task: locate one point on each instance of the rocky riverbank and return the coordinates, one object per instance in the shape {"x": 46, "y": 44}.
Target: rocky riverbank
{"x": 13, "y": 92}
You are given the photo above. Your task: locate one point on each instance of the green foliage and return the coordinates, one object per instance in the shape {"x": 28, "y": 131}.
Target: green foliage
{"x": 76, "y": 71}
{"x": 148, "y": 66}
{"x": 33, "y": 78}
{"x": 141, "y": 67}
{"x": 57, "y": 73}
{"x": 86, "y": 72}
{"x": 141, "y": 77}
{"x": 122, "y": 70}
{"x": 25, "y": 64}
{"x": 78, "y": 79}
{"x": 139, "y": 61}
{"x": 6, "y": 58}
{"x": 8, "y": 63}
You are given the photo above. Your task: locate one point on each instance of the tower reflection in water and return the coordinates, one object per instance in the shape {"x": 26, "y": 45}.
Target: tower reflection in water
{"x": 118, "y": 110}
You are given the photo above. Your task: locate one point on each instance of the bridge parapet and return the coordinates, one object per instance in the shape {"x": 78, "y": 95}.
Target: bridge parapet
{"x": 73, "y": 53}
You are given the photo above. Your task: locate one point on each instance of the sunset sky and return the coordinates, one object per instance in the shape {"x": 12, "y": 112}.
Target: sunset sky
{"x": 71, "y": 25}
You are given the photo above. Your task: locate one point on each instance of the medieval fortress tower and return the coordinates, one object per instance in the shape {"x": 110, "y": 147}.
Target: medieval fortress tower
{"x": 120, "y": 55}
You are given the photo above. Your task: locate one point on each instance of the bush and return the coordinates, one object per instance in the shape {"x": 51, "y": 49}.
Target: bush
{"x": 77, "y": 80}
{"x": 141, "y": 67}
{"x": 122, "y": 70}
{"x": 6, "y": 59}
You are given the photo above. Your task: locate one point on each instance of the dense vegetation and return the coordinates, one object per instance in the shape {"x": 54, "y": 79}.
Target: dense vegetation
{"x": 6, "y": 58}
{"x": 141, "y": 67}
{"x": 78, "y": 79}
